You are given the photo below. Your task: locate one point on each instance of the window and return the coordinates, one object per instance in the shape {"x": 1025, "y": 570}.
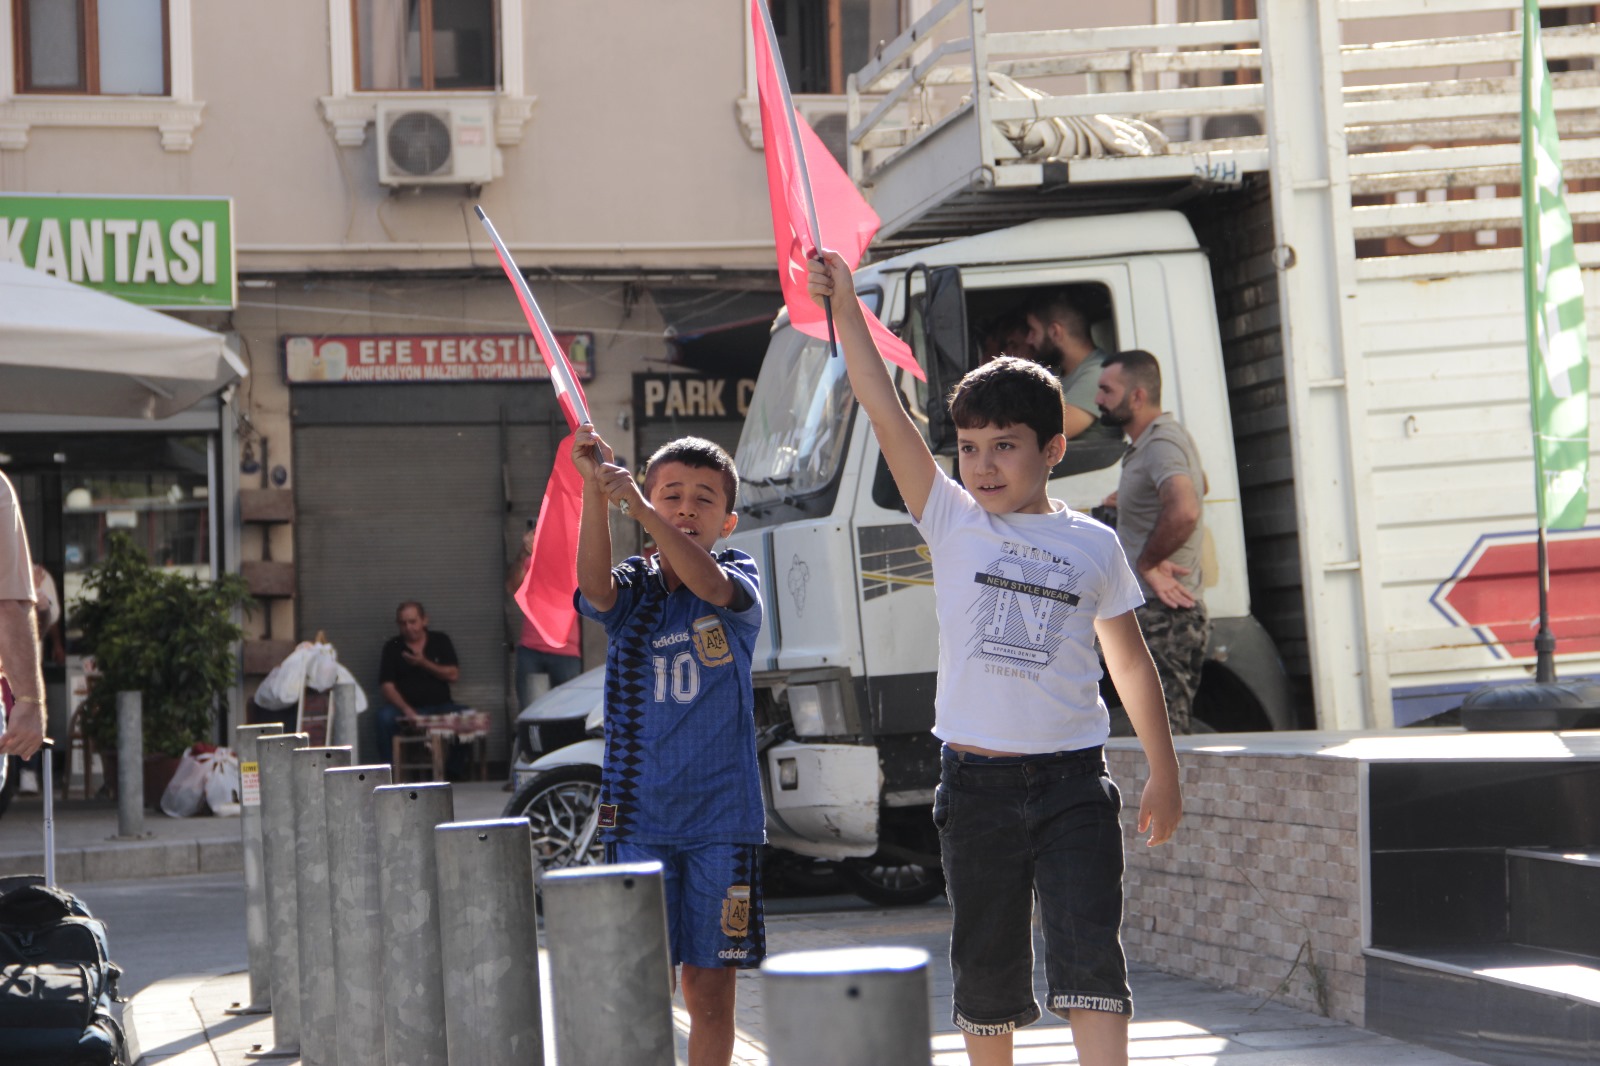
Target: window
{"x": 425, "y": 44}
{"x": 112, "y": 48}
{"x": 824, "y": 41}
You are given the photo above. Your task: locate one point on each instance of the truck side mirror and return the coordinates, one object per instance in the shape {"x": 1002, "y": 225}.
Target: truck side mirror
{"x": 936, "y": 329}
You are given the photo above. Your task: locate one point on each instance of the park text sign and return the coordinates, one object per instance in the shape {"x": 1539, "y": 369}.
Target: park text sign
{"x": 668, "y": 396}
{"x": 151, "y": 251}
{"x": 390, "y": 358}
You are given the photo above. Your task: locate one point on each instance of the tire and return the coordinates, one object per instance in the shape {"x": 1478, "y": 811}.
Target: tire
{"x": 558, "y": 805}
{"x": 906, "y": 870}
{"x": 891, "y": 882}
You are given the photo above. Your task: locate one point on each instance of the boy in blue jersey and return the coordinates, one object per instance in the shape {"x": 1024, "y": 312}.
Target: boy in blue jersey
{"x": 681, "y": 784}
{"x": 1023, "y": 586}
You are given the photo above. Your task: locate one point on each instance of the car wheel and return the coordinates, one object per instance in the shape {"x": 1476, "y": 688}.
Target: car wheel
{"x": 559, "y": 806}
{"x": 891, "y": 882}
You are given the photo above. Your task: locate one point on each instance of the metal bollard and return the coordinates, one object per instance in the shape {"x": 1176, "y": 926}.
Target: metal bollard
{"x": 408, "y": 897}
{"x": 274, "y": 753}
{"x": 318, "y": 1022}
{"x": 346, "y": 731}
{"x": 255, "y": 889}
{"x": 130, "y": 764}
{"x": 848, "y": 1007}
{"x": 357, "y": 922}
{"x": 606, "y": 927}
{"x": 489, "y": 943}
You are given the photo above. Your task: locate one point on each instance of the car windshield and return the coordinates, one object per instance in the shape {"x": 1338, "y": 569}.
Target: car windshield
{"x": 799, "y": 420}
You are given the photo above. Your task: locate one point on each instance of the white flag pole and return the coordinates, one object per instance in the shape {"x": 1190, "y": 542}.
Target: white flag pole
{"x": 561, "y": 374}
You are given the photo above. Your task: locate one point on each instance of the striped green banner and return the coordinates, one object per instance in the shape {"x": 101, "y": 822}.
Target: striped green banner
{"x": 1558, "y": 347}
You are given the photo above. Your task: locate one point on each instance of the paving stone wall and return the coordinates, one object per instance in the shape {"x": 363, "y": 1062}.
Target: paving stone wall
{"x": 1265, "y": 869}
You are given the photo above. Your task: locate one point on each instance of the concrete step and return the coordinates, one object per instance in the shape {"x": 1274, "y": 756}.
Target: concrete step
{"x": 1554, "y": 898}
{"x": 1504, "y": 1004}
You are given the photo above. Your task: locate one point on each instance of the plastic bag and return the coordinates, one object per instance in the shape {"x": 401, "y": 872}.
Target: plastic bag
{"x": 186, "y": 792}
{"x": 222, "y": 783}
{"x": 313, "y": 666}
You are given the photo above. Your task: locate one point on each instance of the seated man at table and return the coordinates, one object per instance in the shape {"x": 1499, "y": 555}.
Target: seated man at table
{"x": 414, "y": 678}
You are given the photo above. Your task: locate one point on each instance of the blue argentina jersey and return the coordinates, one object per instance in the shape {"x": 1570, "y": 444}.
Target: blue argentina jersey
{"x": 680, "y": 711}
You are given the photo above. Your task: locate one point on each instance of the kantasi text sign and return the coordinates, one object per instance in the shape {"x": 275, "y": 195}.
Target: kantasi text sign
{"x": 173, "y": 252}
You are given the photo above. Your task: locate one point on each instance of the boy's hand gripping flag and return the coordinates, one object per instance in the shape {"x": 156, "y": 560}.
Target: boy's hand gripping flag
{"x": 545, "y": 595}
{"x": 811, "y": 195}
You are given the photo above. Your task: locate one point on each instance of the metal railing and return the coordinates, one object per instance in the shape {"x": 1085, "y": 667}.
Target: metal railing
{"x": 919, "y": 135}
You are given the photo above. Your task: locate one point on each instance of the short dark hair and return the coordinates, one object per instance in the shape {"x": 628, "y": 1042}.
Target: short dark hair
{"x": 1010, "y": 391}
{"x": 1058, "y": 307}
{"x": 1142, "y": 368}
{"x": 701, "y": 453}
{"x": 421, "y": 610}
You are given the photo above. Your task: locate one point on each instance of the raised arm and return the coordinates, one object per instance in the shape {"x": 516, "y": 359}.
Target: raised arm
{"x": 595, "y": 579}
{"x": 903, "y": 446}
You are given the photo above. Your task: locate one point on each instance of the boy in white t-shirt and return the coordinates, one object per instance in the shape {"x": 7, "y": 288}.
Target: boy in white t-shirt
{"x": 1024, "y": 807}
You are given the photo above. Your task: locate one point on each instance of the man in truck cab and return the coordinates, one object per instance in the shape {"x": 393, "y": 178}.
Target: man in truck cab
{"x": 1159, "y": 521}
{"x": 1058, "y": 333}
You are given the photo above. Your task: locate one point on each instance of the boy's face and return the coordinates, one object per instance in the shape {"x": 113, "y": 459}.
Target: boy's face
{"x": 693, "y": 499}
{"x": 1005, "y": 469}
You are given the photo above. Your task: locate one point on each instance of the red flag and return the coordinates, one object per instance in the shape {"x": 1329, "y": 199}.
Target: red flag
{"x": 545, "y": 594}
{"x": 811, "y": 197}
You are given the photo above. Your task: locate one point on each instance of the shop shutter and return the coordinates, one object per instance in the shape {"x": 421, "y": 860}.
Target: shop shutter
{"x": 653, "y": 435}
{"x": 390, "y": 513}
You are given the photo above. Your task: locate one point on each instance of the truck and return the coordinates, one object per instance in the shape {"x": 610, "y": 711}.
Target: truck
{"x": 1313, "y": 222}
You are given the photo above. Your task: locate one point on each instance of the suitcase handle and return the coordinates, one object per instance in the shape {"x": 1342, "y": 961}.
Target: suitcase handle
{"x": 49, "y": 813}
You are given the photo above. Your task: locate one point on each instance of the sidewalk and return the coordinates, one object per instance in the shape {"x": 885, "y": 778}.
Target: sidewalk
{"x": 88, "y": 848}
{"x": 181, "y": 1022}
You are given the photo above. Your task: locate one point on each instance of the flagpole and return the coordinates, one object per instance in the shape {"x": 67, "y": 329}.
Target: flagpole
{"x": 799, "y": 155}
{"x": 1544, "y": 643}
{"x": 1558, "y": 390}
{"x": 560, "y": 369}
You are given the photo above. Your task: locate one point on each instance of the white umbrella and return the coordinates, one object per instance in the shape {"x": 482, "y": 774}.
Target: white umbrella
{"x": 69, "y": 350}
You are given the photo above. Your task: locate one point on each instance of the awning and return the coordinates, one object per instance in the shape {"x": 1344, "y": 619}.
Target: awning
{"x": 69, "y": 350}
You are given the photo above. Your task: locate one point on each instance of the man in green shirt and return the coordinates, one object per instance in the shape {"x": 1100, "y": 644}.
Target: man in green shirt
{"x": 1058, "y": 331}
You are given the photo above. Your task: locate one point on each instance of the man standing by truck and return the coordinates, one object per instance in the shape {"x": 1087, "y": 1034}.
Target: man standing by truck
{"x": 1158, "y": 503}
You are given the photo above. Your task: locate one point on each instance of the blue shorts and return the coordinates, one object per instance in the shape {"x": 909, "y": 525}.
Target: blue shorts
{"x": 1019, "y": 830}
{"x": 715, "y": 915}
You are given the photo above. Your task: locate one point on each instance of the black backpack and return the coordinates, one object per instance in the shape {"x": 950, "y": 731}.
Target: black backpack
{"x": 57, "y": 984}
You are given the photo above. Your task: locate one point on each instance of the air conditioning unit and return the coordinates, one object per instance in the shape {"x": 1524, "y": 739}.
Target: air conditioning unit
{"x": 449, "y": 142}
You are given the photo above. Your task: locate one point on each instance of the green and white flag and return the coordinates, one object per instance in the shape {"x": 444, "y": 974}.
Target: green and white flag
{"x": 1558, "y": 346}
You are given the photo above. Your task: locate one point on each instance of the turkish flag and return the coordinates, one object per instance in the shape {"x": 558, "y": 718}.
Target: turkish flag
{"x": 545, "y": 595}
{"x": 828, "y": 197}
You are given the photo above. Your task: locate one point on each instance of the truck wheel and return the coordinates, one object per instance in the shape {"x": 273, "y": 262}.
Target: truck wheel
{"x": 891, "y": 882}
{"x": 1225, "y": 705}
{"x": 558, "y": 805}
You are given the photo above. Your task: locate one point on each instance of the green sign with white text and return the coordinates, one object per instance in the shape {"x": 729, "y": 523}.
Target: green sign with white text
{"x": 174, "y": 252}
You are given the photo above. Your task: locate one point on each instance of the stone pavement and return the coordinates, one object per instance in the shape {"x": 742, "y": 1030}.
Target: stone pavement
{"x": 182, "y": 1021}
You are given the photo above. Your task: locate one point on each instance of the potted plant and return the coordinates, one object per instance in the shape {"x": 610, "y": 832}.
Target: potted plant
{"x": 166, "y": 635}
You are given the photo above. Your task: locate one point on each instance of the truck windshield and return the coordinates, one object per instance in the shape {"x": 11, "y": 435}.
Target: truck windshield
{"x": 799, "y": 420}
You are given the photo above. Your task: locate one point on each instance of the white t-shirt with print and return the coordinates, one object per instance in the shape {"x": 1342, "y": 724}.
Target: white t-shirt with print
{"x": 1018, "y": 596}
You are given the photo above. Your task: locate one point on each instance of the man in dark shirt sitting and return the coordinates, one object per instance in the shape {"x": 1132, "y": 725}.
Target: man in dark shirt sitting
{"x": 415, "y": 676}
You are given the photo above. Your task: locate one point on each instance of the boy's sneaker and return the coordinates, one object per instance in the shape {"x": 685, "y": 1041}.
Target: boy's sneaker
{"x": 28, "y": 783}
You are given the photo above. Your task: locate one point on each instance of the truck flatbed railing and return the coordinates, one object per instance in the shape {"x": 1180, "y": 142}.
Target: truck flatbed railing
{"x": 936, "y": 160}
